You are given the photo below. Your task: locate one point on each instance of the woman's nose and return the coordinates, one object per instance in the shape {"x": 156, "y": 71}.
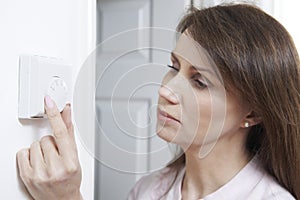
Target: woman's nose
{"x": 168, "y": 94}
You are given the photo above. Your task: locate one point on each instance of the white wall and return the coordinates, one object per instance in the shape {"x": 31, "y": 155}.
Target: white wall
{"x": 287, "y": 12}
{"x": 51, "y": 28}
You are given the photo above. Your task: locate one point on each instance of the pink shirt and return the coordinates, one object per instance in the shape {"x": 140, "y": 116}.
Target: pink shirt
{"x": 252, "y": 183}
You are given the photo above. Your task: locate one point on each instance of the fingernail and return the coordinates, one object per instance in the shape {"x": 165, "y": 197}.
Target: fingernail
{"x": 49, "y": 101}
{"x": 68, "y": 106}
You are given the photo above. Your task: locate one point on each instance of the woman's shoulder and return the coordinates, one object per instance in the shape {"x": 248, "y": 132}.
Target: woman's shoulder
{"x": 267, "y": 187}
{"x": 252, "y": 182}
{"x": 153, "y": 186}
{"x": 273, "y": 190}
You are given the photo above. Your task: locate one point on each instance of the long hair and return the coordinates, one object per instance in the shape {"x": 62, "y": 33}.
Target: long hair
{"x": 258, "y": 61}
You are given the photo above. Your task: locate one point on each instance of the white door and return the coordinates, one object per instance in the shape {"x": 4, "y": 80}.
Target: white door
{"x": 128, "y": 77}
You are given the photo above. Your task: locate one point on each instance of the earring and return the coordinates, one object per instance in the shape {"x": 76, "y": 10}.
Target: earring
{"x": 247, "y": 124}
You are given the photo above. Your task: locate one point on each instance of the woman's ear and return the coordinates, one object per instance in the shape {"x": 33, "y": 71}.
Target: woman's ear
{"x": 251, "y": 119}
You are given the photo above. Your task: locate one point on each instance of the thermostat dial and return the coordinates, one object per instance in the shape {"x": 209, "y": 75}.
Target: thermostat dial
{"x": 58, "y": 91}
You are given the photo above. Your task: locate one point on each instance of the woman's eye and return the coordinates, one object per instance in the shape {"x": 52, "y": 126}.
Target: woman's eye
{"x": 172, "y": 67}
{"x": 200, "y": 81}
{"x": 200, "y": 84}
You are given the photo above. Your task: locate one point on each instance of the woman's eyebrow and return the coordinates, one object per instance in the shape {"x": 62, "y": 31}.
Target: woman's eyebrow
{"x": 197, "y": 68}
{"x": 201, "y": 69}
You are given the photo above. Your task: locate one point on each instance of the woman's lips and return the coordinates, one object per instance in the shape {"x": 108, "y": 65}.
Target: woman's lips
{"x": 166, "y": 117}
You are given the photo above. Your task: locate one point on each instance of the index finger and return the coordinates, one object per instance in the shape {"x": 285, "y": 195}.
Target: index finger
{"x": 65, "y": 142}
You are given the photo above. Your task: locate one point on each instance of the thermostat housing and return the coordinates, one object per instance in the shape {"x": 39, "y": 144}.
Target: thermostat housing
{"x": 40, "y": 76}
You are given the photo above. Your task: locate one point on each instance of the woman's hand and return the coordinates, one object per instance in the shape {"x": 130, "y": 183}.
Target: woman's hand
{"x": 50, "y": 168}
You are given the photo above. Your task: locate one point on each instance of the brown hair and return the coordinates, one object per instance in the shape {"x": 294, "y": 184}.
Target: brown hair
{"x": 259, "y": 62}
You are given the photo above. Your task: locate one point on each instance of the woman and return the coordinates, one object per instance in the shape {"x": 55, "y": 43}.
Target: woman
{"x": 230, "y": 101}
{"x": 256, "y": 155}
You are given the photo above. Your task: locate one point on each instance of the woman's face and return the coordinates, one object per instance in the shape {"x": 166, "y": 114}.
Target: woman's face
{"x": 193, "y": 108}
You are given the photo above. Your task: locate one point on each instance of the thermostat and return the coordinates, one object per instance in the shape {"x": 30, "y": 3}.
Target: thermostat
{"x": 40, "y": 76}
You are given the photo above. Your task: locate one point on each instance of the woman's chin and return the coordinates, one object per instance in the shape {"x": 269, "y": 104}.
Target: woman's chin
{"x": 168, "y": 136}
{"x": 171, "y": 135}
